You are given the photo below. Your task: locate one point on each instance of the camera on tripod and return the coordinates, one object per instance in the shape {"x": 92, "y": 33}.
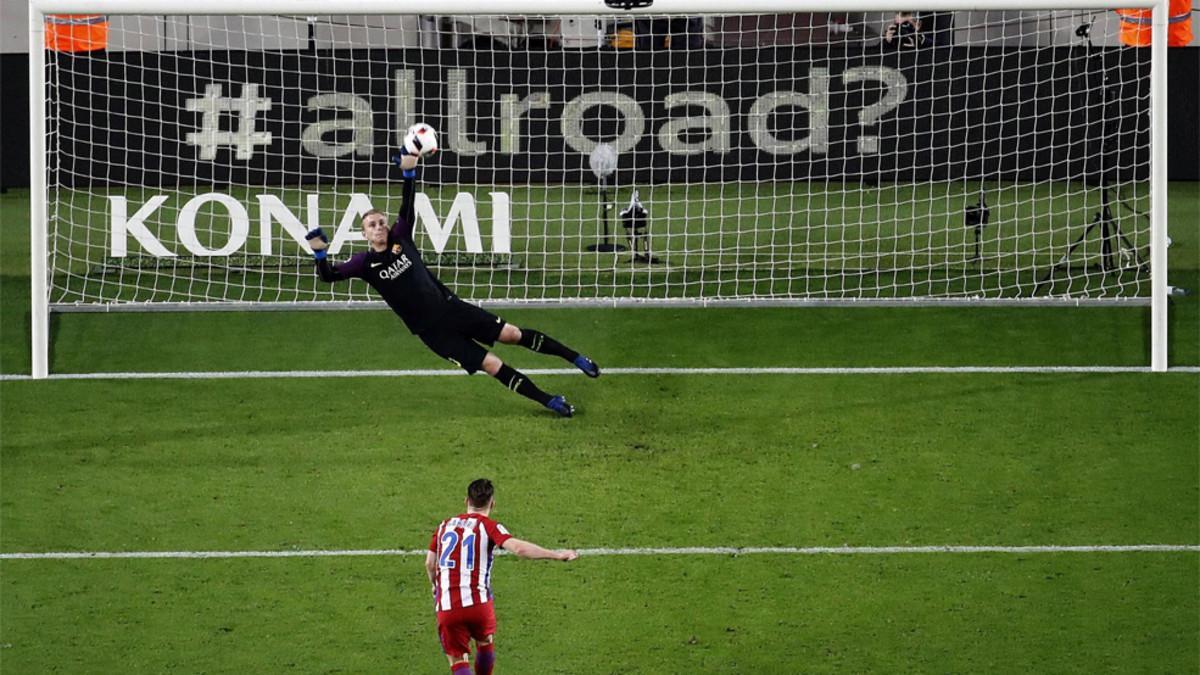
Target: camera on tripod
{"x": 1117, "y": 252}
{"x": 977, "y": 216}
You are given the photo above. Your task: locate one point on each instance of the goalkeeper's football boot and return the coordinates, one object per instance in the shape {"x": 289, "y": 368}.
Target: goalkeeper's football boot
{"x": 587, "y": 365}
{"x": 559, "y": 405}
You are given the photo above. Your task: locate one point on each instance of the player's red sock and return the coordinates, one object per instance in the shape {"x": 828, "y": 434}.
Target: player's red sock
{"x": 461, "y": 668}
{"x": 485, "y": 659}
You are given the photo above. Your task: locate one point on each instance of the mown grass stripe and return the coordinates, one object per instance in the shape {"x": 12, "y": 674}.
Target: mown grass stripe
{"x": 445, "y": 372}
{"x": 644, "y": 551}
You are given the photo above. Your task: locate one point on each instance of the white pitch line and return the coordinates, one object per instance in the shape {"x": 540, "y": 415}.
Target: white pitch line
{"x": 690, "y": 550}
{"x": 445, "y": 372}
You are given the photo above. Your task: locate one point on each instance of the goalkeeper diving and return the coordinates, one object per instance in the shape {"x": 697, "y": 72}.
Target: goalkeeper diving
{"x": 454, "y": 329}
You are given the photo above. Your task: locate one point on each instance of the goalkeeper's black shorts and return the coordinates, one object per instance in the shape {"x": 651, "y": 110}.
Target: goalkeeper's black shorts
{"x": 457, "y": 334}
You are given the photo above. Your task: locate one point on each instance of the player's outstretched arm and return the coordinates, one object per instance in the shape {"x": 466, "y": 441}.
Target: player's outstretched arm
{"x": 319, "y": 243}
{"x": 406, "y": 219}
{"x": 531, "y": 551}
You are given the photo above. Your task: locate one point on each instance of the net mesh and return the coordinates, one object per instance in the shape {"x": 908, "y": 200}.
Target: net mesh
{"x": 989, "y": 155}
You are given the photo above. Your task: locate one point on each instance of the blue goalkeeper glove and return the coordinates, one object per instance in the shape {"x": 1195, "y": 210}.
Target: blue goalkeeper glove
{"x": 407, "y": 173}
{"x": 319, "y": 250}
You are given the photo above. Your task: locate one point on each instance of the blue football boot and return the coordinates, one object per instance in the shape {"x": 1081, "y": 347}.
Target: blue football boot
{"x": 587, "y": 365}
{"x": 559, "y": 405}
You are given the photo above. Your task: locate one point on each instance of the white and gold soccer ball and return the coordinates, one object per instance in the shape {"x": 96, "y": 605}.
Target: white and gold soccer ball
{"x": 421, "y": 140}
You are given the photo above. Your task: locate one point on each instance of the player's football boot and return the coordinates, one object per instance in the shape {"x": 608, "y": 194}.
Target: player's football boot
{"x": 587, "y": 365}
{"x": 559, "y": 405}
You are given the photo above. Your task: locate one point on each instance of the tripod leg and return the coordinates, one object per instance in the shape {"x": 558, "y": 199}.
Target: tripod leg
{"x": 1106, "y": 237}
{"x": 605, "y": 207}
{"x": 1137, "y": 257}
{"x": 1070, "y": 249}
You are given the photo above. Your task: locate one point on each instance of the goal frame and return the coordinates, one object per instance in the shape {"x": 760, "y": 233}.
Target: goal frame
{"x": 38, "y": 9}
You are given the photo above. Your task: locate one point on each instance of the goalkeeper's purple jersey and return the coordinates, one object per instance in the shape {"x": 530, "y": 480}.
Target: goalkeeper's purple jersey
{"x": 398, "y": 274}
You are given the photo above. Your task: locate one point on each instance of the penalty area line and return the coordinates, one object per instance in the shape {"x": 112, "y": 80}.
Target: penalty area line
{"x": 607, "y": 552}
{"x": 445, "y": 372}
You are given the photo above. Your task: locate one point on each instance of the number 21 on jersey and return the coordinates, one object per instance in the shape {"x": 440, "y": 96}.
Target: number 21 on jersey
{"x": 450, "y": 542}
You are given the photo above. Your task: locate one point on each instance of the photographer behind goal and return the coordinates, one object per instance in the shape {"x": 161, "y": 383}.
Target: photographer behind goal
{"x": 904, "y": 32}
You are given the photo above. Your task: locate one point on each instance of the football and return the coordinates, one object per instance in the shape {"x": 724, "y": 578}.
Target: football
{"x": 421, "y": 140}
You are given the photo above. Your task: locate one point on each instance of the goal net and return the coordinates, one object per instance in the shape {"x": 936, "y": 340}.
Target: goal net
{"x": 624, "y": 158}
{"x": 777, "y": 157}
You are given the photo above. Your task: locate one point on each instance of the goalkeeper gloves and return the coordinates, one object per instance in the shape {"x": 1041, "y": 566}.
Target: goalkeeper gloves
{"x": 407, "y": 173}
{"x": 317, "y": 235}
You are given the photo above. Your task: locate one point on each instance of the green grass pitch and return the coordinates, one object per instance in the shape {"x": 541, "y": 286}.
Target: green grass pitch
{"x": 651, "y": 461}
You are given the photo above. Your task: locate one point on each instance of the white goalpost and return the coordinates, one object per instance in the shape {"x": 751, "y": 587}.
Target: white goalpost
{"x": 684, "y": 152}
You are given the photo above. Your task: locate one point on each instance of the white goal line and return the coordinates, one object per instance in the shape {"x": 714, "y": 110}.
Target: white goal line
{"x": 448, "y": 372}
{"x": 651, "y": 551}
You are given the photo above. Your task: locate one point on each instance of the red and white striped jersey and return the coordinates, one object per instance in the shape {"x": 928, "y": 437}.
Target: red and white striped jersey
{"x": 464, "y": 546}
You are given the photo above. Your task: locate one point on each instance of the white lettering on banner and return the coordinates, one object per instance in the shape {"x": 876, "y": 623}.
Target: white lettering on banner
{"x": 359, "y": 124}
{"x": 816, "y": 101}
{"x": 512, "y": 108}
{"x": 501, "y": 234}
{"x": 572, "y": 121}
{"x": 457, "y": 117}
{"x": 716, "y": 122}
{"x": 210, "y": 138}
{"x": 897, "y": 90}
{"x": 464, "y": 204}
{"x": 404, "y": 96}
{"x": 239, "y": 224}
{"x": 273, "y": 211}
{"x": 123, "y": 226}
